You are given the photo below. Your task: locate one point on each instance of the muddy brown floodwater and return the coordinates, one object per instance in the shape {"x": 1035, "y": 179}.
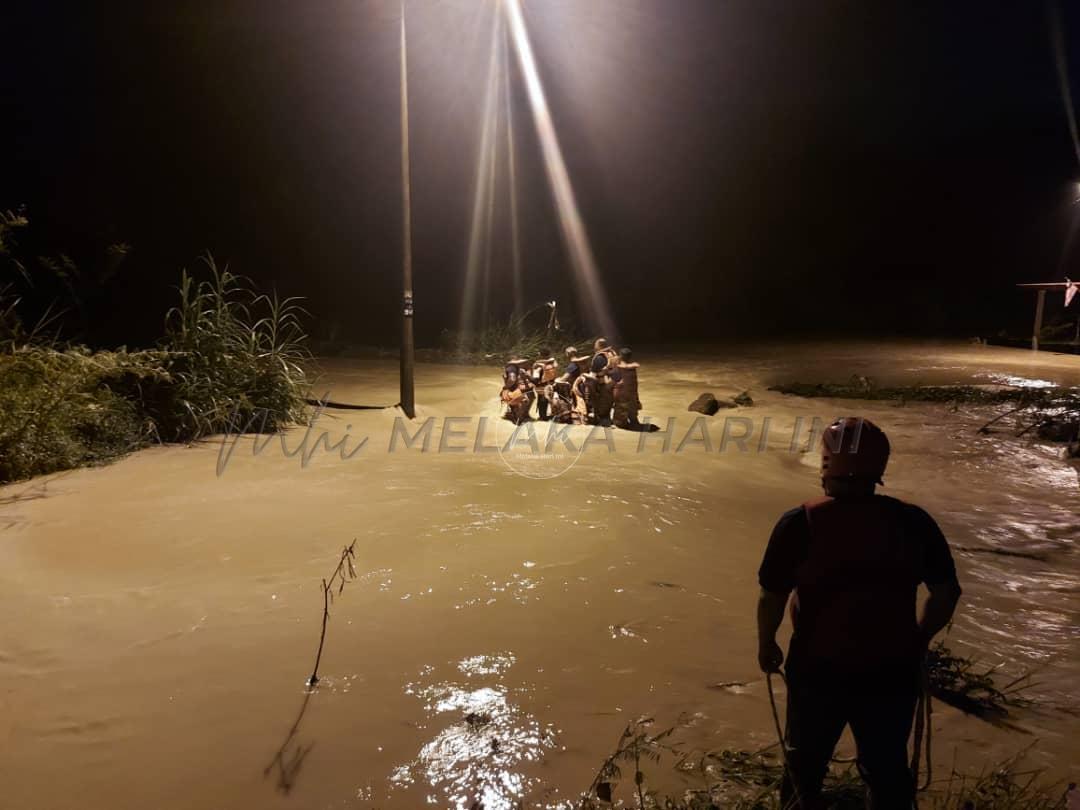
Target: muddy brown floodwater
{"x": 513, "y": 609}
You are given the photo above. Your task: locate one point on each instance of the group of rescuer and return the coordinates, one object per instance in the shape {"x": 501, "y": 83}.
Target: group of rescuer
{"x": 597, "y": 389}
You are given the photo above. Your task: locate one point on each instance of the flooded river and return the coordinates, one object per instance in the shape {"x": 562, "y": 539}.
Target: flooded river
{"x": 513, "y": 609}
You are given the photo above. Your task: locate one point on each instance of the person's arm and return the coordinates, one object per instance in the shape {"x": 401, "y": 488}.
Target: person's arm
{"x": 770, "y": 614}
{"x": 938, "y": 610}
{"x": 939, "y": 574}
{"x": 786, "y": 550}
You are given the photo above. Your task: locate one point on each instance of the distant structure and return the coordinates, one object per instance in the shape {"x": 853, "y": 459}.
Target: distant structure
{"x": 1070, "y": 289}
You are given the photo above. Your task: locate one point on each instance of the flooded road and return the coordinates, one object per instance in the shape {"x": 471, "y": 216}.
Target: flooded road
{"x": 513, "y": 610}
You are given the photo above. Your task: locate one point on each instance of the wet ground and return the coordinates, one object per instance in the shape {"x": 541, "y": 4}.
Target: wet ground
{"x": 513, "y": 609}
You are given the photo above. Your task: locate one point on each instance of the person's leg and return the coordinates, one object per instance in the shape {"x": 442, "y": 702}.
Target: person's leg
{"x": 621, "y": 418}
{"x": 541, "y": 407}
{"x": 815, "y": 720}
{"x": 881, "y": 722}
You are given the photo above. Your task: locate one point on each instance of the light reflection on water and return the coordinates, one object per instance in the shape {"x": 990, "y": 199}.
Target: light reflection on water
{"x": 1016, "y": 380}
{"x": 477, "y": 758}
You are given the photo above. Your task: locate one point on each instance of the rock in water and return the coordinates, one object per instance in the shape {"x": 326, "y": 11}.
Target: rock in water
{"x": 706, "y": 404}
{"x": 743, "y": 400}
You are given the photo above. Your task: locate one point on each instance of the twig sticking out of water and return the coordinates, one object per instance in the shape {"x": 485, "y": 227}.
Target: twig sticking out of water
{"x": 344, "y": 572}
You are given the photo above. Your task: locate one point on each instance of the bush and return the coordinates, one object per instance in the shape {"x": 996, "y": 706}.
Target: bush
{"x": 231, "y": 360}
{"x": 58, "y": 409}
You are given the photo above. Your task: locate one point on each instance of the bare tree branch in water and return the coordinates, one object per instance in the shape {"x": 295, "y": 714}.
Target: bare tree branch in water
{"x": 289, "y": 757}
{"x": 344, "y": 572}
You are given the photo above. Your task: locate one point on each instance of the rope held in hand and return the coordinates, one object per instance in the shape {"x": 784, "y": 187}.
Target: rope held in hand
{"x": 924, "y": 711}
{"x": 781, "y": 737}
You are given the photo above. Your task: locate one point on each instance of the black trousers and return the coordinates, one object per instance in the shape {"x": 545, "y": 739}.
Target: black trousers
{"x": 541, "y": 406}
{"x": 880, "y": 713}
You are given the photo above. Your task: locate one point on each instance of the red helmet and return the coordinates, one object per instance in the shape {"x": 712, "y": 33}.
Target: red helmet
{"x": 853, "y": 447}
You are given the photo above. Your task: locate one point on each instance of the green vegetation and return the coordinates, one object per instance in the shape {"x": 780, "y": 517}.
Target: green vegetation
{"x": 237, "y": 360}
{"x": 64, "y": 408}
{"x": 230, "y": 359}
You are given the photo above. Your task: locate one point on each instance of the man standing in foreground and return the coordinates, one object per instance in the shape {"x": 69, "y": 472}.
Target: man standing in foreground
{"x": 854, "y": 560}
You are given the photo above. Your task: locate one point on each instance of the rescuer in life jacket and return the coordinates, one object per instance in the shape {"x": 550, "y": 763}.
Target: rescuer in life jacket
{"x": 598, "y": 387}
{"x": 601, "y": 347}
{"x": 575, "y": 364}
{"x": 517, "y": 394}
{"x": 544, "y": 372}
{"x": 562, "y": 405}
{"x": 853, "y": 561}
{"x": 625, "y": 390}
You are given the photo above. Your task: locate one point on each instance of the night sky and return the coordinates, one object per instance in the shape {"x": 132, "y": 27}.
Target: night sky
{"x": 744, "y": 169}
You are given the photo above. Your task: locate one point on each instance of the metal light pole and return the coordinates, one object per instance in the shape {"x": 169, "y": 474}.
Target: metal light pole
{"x": 408, "y": 404}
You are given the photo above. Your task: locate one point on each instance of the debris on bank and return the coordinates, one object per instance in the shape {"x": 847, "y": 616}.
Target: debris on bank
{"x": 961, "y": 683}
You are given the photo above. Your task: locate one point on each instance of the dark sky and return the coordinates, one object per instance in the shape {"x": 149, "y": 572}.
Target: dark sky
{"x": 743, "y": 168}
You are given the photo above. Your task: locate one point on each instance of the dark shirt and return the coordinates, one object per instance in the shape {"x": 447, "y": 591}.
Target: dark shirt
{"x": 855, "y": 565}
{"x": 789, "y": 546}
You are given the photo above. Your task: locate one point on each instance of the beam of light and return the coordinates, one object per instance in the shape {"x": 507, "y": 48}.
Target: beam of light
{"x": 1070, "y": 237}
{"x": 511, "y": 161}
{"x": 586, "y": 275}
{"x": 479, "y": 236}
{"x": 1058, "y": 40}
{"x": 489, "y": 210}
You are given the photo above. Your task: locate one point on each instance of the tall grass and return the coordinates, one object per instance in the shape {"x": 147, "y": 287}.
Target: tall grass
{"x": 238, "y": 358}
